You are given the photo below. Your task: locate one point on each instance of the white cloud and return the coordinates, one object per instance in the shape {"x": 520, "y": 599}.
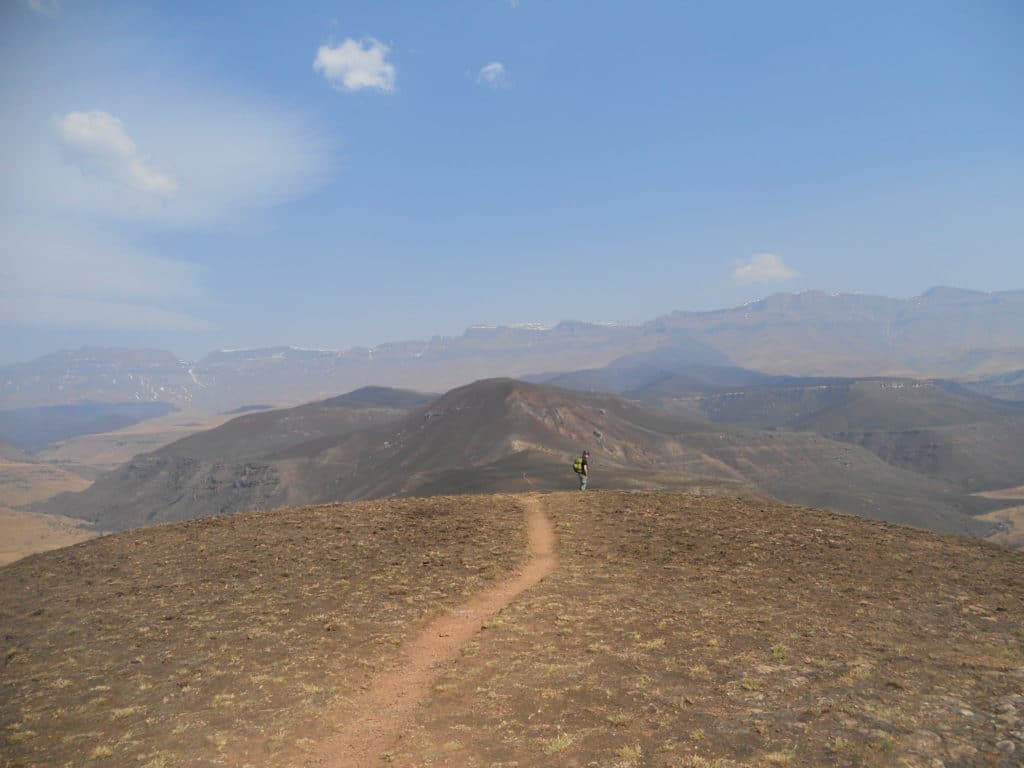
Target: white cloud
{"x": 355, "y": 65}
{"x": 98, "y": 144}
{"x": 764, "y": 268}
{"x": 228, "y": 156}
{"x": 494, "y": 75}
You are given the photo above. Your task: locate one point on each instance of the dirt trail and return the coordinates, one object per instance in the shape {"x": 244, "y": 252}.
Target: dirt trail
{"x": 381, "y": 713}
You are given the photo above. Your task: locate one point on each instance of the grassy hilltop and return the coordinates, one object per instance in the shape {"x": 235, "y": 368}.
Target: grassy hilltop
{"x": 676, "y": 630}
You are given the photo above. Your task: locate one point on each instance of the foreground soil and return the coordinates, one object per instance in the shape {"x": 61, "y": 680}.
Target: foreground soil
{"x": 704, "y": 632}
{"x": 219, "y": 641}
{"x": 675, "y": 630}
{"x": 375, "y": 720}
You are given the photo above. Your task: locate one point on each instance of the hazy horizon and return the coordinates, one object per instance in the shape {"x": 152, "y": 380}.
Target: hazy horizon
{"x": 199, "y": 352}
{"x": 191, "y": 177}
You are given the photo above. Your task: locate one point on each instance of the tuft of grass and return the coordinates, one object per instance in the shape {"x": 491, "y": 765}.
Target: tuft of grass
{"x": 558, "y": 744}
{"x": 631, "y": 755}
{"x": 101, "y": 752}
{"x": 839, "y": 744}
{"x": 780, "y": 652}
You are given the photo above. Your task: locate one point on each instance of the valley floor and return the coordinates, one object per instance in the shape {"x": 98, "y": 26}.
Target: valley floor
{"x": 26, "y": 533}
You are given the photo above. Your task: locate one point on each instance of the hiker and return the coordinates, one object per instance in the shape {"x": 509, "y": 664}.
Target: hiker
{"x": 582, "y": 467}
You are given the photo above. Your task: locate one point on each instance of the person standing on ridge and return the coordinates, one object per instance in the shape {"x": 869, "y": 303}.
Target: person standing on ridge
{"x": 582, "y": 468}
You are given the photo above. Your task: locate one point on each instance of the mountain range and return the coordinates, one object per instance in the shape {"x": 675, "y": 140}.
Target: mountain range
{"x": 945, "y": 332}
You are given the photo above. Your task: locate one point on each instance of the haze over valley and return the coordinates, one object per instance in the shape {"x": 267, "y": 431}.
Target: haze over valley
{"x": 665, "y": 408}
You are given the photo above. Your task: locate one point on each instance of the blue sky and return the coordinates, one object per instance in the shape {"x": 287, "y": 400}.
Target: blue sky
{"x": 199, "y": 175}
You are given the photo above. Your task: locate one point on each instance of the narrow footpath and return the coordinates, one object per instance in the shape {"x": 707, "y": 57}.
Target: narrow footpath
{"x": 382, "y": 712}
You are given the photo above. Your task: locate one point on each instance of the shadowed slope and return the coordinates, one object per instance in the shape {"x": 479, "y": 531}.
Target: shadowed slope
{"x": 935, "y": 428}
{"x": 509, "y": 435}
{"x": 222, "y": 469}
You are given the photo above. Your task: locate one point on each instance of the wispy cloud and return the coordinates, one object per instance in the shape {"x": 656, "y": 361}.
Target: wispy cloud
{"x": 356, "y": 64}
{"x": 44, "y": 7}
{"x": 764, "y": 268}
{"x": 493, "y": 75}
{"x": 71, "y": 276}
{"x": 190, "y": 160}
{"x": 213, "y": 157}
{"x": 97, "y": 143}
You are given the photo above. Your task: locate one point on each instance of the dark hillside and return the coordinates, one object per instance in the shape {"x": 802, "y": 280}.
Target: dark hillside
{"x": 1007, "y": 386}
{"x": 935, "y": 428}
{"x": 221, "y": 470}
{"x": 258, "y": 434}
{"x": 502, "y": 434}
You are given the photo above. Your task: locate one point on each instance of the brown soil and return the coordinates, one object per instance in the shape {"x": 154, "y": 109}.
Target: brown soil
{"x": 377, "y": 718}
{"x": 676, "y": 632}
{"x": 681, "y": 632}
{"x": 221, "y": 641}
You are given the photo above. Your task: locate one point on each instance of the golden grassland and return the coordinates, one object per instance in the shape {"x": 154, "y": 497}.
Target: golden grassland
{"x": 24, "y": 483}
{"x": 91, "y": 455}
{"x": 1004, "y": 493}
{"x": 24, "y": 533}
